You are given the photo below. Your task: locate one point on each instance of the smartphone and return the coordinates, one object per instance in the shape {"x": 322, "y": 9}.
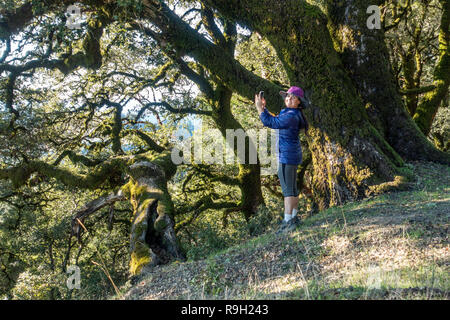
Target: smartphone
{"x": 261, "y": 94}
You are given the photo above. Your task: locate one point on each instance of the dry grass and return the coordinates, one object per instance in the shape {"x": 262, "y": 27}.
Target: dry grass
{"x": 394, "y": 246}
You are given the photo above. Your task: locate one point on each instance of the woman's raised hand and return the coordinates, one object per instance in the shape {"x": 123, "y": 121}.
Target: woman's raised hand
{"x": 260, "y": 103}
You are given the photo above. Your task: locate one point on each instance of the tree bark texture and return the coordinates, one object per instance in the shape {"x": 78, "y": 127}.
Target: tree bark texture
{"x": 152, "y": 239}
{"x": 249, "y": 176}
{"x": 366, "y": 60}
{"x": 428, "y": 108}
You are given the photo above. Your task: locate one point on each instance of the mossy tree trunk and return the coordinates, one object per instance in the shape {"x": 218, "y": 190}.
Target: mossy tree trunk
{"x": 249, "y": 177}
{"x": 411, "y": 63}
{"x": 366, "y": 60}
{"x": 427, "y": 109}
{"x": 249, "y": 174}
{"x": 152, "y": 239}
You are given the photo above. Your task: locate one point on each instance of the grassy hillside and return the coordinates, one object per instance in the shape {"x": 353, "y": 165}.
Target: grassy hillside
{"x": 394, "y": 246}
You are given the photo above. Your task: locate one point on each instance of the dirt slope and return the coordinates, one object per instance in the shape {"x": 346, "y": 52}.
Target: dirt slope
{"x": 394, "y": 246}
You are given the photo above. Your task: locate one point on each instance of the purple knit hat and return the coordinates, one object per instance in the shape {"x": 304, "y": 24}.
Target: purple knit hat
{"x": 296, "y": 91}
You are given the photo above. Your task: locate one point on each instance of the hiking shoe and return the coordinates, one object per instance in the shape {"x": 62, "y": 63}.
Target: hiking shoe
{"x": 292, "y": 224}
{"x": 282, "y": 226}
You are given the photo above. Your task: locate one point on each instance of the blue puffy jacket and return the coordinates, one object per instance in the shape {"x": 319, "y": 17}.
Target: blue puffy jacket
{"x": 289, "y": 122}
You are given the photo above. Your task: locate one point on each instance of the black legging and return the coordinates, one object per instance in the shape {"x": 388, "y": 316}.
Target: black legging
{"x": 288, "y": 179}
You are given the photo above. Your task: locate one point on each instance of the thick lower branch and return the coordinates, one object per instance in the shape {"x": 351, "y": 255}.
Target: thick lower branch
{"x": 76, "y": 158}
{"x": 205, "y": 203}
{"x": 91, "y": 208}
{"x": 106, "y": 171}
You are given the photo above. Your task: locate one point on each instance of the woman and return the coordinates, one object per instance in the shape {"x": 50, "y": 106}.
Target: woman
{"x": 289, "y": 122}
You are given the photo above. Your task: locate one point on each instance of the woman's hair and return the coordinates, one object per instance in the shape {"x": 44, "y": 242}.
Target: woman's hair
{"x": 305, "y": 122}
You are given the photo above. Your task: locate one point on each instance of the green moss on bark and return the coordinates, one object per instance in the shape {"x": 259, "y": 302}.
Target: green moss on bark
{"x": 153, "y": 208}
{"x": 426, "y": 111}
{"x": 140, "y": 257}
